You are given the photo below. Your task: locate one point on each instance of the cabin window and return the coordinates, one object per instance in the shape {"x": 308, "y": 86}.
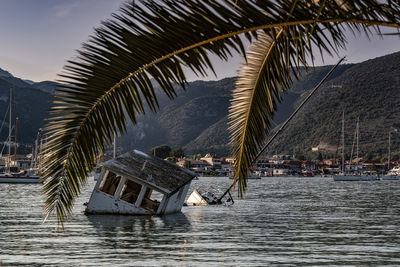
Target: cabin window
{"x": 152, "y": 200}
{"x": 130, "y": 192}
{"x": 110, "y": 183}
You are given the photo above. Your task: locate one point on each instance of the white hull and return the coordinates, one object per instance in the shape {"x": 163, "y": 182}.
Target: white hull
{"x": 355, "y": 178}
{"x": 20, "y": 180}
{"x": 391, "y": 177}
{"x": 395, "y": 171}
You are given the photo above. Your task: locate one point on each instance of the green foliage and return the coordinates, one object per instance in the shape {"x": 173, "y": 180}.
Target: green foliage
{"x": 366, "y": 90}
{"x": 177, "y": 153}
{"x": 30, "y": 105}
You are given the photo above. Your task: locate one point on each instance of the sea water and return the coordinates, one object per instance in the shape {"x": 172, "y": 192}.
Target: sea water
{"x": 280, "y": 222}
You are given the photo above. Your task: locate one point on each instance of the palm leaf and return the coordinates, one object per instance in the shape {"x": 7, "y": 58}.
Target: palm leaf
{"x": 110, "y": 81}
{"x": 264, "y": 76}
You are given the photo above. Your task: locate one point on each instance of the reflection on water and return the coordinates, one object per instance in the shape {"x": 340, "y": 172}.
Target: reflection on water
{"x": 282, "y": 221}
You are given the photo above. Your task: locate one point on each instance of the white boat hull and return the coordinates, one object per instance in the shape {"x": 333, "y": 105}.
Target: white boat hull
{"x": 355, "y": 178}
{"x": 391, "y": 177}
{"x": 20, "y": 180}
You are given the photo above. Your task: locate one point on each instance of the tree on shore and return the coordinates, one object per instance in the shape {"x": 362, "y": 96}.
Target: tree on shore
{"x": 111, "y": 79}
{"x": 177, "y": 153}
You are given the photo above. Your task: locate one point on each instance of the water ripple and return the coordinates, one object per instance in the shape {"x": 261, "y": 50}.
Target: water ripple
{"x": 281, "y": 222}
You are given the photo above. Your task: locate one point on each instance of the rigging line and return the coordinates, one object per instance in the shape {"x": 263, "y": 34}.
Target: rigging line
{"x": 286, "y": 122}
{"x": 5, "y": 143}
{"x": 1, "y": 128}
{"x": 4, "y": 119}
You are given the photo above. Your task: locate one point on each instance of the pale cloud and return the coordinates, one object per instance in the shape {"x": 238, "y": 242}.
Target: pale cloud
{"x": 63, "y": 10}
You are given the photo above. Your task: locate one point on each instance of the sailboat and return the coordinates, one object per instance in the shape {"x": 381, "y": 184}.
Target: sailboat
{"x": 13, "y": 175}
{"x": 344, "y": 176}
{"x": 393, "y": 174}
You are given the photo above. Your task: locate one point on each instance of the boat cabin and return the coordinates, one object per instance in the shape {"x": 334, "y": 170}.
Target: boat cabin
{"x": 136, "y": 183}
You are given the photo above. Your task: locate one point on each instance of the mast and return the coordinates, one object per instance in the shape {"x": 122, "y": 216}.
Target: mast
{"x": 358, "y": 135}
{"x": 355, "y": 142}
{"x": 10, "y": 130}
{"x": 389, "y": 154}
{"x": 15, "y": 139}
{"x": 343, "y": 142}
{"x": 37, "y": 148}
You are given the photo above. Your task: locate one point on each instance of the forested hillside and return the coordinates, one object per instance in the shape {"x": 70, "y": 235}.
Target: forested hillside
{"x": 197, "y": 119}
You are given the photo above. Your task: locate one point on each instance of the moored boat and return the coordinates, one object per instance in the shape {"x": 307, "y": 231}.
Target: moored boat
{"x": 23, "y": 177}
{"x": 355, "y": 177}
{"x": 390, "y": 177}
{"x": 395, "y": 171}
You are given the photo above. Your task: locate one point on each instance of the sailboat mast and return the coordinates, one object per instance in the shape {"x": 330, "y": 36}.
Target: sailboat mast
{"x": 15, "y": 139}
{"x": 358, "y": 134}
{"x": 389, "y": 153}
{"x": 343, "y": 142}
{"x": 10, "y": 129}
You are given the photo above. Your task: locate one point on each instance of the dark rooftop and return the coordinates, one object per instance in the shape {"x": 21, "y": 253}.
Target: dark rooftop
{"x": 150, "y": 170}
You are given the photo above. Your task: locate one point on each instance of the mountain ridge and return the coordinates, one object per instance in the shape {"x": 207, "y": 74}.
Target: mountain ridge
{"x": 197, "y": 119}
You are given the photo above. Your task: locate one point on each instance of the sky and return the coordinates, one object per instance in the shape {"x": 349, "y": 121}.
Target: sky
{"x": 37, "y": 37}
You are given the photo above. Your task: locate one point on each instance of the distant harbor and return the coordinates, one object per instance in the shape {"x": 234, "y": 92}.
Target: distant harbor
{"x": 286, "y": 165}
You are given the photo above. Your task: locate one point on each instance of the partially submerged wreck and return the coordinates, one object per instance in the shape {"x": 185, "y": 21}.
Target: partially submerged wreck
{"x": 205, "y": 199}
{"x": 138, "y": 184}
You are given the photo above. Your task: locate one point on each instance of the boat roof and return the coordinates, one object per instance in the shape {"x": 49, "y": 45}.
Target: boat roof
{"x": 154, "y": 172}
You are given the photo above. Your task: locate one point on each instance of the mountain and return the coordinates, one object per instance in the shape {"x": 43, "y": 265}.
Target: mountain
{"x": 4, "y": 73}
{"x": 29, "y": 104}
{"x": 8, "y": 77}
{"x": 45, "y": 86}
{"x": 369, "y": 90}
{"x": 30, "y": 82}
{"x": 197, "y": 119}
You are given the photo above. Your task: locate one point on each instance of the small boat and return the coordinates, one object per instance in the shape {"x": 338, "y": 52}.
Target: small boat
{"x": 22, "y": 177}
{"x": 355, "y": 177}
{"x": 395, "y": 171}
{"x": 390, "y": 177}
{"x": 393, "y": 174}
{"x": 205, "y": 199}
{"x": 13, "y": 173}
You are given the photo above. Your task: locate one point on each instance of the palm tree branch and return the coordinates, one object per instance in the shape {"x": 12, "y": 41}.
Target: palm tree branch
{"x": 217, "y": 38}
{"x": 256, "y": 82}
{"x": 95, "y": 97}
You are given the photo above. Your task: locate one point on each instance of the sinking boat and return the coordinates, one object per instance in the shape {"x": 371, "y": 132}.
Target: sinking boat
{"x": 205, "y": 199}
{"x": 138, "y": 184}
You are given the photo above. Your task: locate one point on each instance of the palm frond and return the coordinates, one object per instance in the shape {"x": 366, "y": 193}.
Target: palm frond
{"x": 258, "y": 89}
{"x": 254, "y": 102}
{"x": 271, "y": 60}
{"x": 110, "y": 81}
